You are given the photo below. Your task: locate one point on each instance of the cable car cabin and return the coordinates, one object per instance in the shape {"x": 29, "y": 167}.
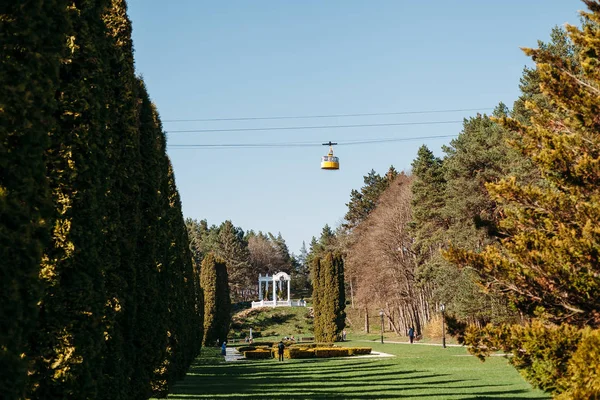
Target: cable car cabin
{"x": 330, "y": 161}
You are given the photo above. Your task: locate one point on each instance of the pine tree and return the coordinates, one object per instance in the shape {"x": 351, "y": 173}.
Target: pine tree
{"x": 428, "y": 203}
{"x": 233, "y": 249}
{"x": 301, "y": 279}
{"x": 363, "y": 202}
{"x": 561, "y": 46}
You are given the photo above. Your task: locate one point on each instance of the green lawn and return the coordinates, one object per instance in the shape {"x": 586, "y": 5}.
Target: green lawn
{"x": 416, "y": 371}
{"x": 272, "y": 322}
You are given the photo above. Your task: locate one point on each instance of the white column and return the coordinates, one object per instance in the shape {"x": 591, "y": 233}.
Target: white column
{"x": 274, "y": 293}
{"x": 288, "y": 285}
{"x": 259, "y": 288}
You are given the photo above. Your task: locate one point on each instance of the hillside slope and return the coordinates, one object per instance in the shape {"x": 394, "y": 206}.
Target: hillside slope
{"x": 272, "y": 322}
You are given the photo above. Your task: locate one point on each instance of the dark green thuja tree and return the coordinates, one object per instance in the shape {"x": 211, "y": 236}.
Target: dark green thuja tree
{"x": 329, "y": 300}
{"x": 217, "y": 302}
{"x": 67, "y": 347}
{"x": 32, "y": 37}
{"x": 122, "y": 224}
{"x": 107, "y": 305}
{"x": 150, "y": 313}
{"x": 180, "y": 293}
{"x": 338, "y": 293}
{"x": 317, "y": 296}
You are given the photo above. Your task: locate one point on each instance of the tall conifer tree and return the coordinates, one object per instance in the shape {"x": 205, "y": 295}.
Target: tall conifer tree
{"x": 548, "y": 261}
{"x": 32, "y": 36}
{"x": 217, "y": 303}
{"x": 68, "y": 344}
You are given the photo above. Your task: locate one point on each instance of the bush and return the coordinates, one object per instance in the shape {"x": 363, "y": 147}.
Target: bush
{"x": 312, "y": 345}
{"x": 258, "y": 354}
{"x": 541, "y": 353}
{"x": 359, "y": 351}
{"x": 294, "y": 352}
{"x": 583, "y": 381}
{"x": 326, "y": 352}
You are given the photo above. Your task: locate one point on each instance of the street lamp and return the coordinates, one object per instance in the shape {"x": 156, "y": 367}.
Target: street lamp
{"x": 443, "y": 309}
{"x": 381, "y": 315}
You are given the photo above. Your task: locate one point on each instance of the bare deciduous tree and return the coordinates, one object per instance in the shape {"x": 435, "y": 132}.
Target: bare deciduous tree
{"x": 382, "y": 265}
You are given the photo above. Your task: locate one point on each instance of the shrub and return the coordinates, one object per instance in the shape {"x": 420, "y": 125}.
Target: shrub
{"x": 294, "y": 352}
{"x": 312, "y": 345}
{"x": 541, "y": 353}
{"x": 258, "y": 354}
{"x": 323, "y": 351}
{"x": 359, "y": 351}
{"x": 326, "y": 352}
{"x": 583, "y": 380}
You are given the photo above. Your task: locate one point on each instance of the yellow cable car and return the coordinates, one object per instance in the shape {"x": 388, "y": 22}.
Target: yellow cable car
{"x": 330, "y": 161}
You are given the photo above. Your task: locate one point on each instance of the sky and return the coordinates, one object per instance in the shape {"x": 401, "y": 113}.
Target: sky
{"x": 253, "y": 59}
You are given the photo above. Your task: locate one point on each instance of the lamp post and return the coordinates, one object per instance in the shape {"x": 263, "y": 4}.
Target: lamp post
{"x": 443, "y": 309}
{"x": 381, "y": 315}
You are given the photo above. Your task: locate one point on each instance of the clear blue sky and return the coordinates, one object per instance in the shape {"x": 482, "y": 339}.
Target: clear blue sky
{"x": 219, "y": 59}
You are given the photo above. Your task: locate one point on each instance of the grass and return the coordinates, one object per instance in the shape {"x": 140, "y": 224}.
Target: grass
{"x": 415, "y": 371}
{"x": 272, "y": 322}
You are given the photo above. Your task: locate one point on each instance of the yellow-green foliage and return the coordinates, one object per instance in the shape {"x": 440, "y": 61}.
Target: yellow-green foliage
{"x": 294, "y": 352}
{"x": 547, "y": 261}
{"x": 312, "y": 345}
{"x": 540, "y": 352}
{"x": 583, "y": 380}
{"x": 324, "y": 352}
{"x": 358, "y": 351}
{"x": 258, "y": 354}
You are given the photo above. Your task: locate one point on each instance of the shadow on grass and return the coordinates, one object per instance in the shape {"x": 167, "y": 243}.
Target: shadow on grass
{"x": 210, "y": 377}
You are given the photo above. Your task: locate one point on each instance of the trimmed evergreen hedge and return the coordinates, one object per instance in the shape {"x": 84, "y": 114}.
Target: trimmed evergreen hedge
{"x": 312, "y": 345}
{"x": 359, "y": 351}
{"x": 258, "y": 354}
{"x": 324, "y": 352}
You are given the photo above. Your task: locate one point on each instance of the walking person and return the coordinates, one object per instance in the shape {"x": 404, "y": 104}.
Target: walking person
{"x": 411, "y": 334}
{"x": 280, "y": 348}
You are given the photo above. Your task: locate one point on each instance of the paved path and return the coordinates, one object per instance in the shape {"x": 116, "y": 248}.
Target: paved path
{"x": 415, "y": 343}
{"x": 232, "y": 354}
